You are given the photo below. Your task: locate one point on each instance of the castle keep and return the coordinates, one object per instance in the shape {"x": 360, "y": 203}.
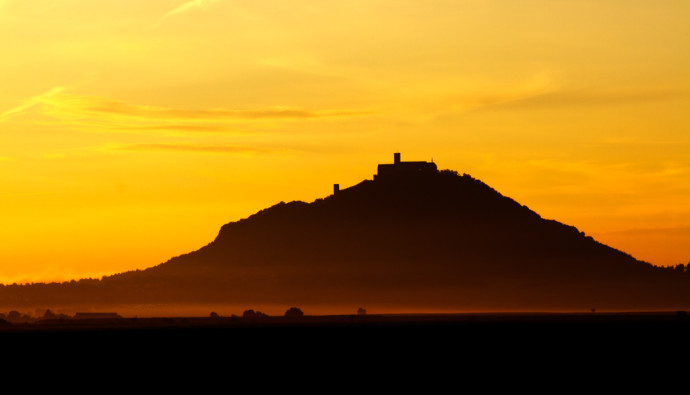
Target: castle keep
{"x": 404, "y": 169}
{"x": 399, "y": 169}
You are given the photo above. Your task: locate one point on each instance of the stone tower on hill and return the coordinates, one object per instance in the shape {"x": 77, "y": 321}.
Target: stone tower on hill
{"x": 404, "y": 169}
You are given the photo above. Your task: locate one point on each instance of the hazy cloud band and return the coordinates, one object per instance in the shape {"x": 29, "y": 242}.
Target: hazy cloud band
{"x": 195, "y": 148}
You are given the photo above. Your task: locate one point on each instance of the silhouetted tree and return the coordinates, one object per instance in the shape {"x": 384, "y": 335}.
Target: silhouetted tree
{"x": 294, "y": 312}
{"x": 253, "y": 314}
{"x": 214, "y": 314}
{"x": 14, "y": 315}
{"x": 361, "y": 311}
{"x": 49, "y": 314}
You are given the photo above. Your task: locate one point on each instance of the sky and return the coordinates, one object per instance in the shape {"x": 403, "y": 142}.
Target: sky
{"x": 131, "y": 131}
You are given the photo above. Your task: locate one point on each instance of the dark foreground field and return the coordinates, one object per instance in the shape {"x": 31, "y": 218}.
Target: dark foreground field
{"x": 429, "y": 349}
{"x": 627, "y": 322}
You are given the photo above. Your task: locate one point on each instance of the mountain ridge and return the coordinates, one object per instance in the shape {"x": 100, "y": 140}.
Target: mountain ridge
{"x": 420, "y": 239}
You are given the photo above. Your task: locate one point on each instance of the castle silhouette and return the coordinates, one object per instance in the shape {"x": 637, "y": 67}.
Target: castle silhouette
{"x": 399, "y": 169}
{"x": 404, "y": 169}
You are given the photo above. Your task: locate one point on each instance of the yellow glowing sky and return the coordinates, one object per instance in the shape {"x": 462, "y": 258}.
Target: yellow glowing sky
{"x": 131, "y": 130}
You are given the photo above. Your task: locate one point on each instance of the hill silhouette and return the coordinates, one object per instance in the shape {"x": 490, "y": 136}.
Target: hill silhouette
{"x": 414, "y": 237}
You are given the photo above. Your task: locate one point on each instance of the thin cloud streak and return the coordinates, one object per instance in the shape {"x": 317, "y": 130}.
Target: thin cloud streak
{"x": 31, "y": 102}
{"x": 196, "y": 148}
{"x": 97, "y": 105}
{"x": 663, "y": 231}
{"x": 591, "y": 98}
{"x": 185, "y": 7}
{"x": 185, "y": 128}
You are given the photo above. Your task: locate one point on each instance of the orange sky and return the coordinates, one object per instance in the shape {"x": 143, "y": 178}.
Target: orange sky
{"x": 130, "y": 131}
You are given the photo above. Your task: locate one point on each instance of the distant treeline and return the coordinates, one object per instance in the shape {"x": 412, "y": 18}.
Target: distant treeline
{"x": 16, "y": 317}
{"x": 678, "y": 268}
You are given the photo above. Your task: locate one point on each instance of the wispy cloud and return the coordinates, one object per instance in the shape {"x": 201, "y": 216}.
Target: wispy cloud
{"x": 596, "y": 98}
{"x": 185, "y": 7}
{"x": 31, "y": 102}
{"x": 213, "y": 128}
{"x": 661, "y": 231}
{"x": 544, "y": 90}
{"x": 97, "y": 105}
{"x": 195, "y": 148}
{"x": 93, "y": 113}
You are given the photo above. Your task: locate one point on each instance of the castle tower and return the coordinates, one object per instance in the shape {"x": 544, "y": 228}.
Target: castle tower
{"x": 404, "y": 169}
